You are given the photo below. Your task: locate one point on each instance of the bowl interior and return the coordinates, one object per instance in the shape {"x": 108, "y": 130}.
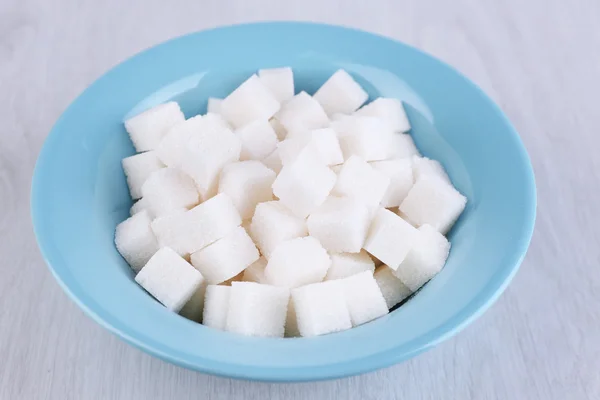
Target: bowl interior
{"x": 79, "y": 194}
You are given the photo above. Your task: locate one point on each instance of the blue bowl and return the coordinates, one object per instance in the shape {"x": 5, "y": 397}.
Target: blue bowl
{"x": 79, "y": 195}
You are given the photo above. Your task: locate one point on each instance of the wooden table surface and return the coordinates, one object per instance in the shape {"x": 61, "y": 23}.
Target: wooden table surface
{"x": 538, "y": 59}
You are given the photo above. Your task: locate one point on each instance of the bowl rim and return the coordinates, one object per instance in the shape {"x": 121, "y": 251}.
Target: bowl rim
{"x": 486, "y": 297}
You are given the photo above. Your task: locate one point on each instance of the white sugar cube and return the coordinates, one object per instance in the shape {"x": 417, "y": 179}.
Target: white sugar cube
{"x": 425, "y": 259}
{"x": 258, "y": 140}
{"x": 135, "y": 240}
{"x": 247, "y": 183}
{"x": 193, "y": 308}
{"x": 433, "y": 201}
{"x": 214, "y": 105}
{"x": 279, "y": 129}
{"x": 273, "y": 224}
{"x": 147, "y": 129}
{"x": 304, "y": 184}
{"x": 216, "y": 306}
{"x": 324, "y": 141}
{"x": 201, "y": 147}
{"x": 138, "y": 168}
{"x": 280, "y": 81}
{"x": 169, "y": 189}
{"x": 256, "y": 271}
{"x": 139, "y": 206}
{"x": 359, "y": 180}
{"x": 363, "y": 298}
{"x": 403, "y": 146}
{"x": 297, "y": 262}
{"x": 189, "y": 231}
{"x": 391, "y": 111}
{"x": 273, "y": 161}
{"x": 291, "y": 323}
{"x": 321, "y": 308}
{"x": 169, "y": 278}
{"x": 392, "y": 288}
{"x": 226, "y": 257}
{"x": 341, "y": 94}
{"x": 302, "y": 112}
{"x": 423, "y": 166}
{"x": 252, "y": 100}
{"x": 390, "y": 238}
{"x": 237, "y": 278}
{"x": 340, "y": 224}
{"x": 368, "y": 138}
{"x": 348, "y": 264}
{"x": 400, "y": 172}
{"x": 257, "y": 310}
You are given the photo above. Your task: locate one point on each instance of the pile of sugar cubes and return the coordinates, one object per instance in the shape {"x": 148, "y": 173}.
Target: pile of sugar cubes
{"x": 281, "y": 214}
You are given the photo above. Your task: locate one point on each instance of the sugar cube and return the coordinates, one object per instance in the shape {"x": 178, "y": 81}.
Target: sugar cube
{"x": 279, "y": 129}
{"x": 237, "y": 278}
{"x": 359, "y": 180}
{"x": 340, "y": 224}
{"x": 273, "y": 161}
{"x": 258, "y": 140}
{"x": 280, "y": 81}
{"x": 348, "y": 264}
{"x": 392, "y": 288}
{"x": 302, "y": 112}
{"x": 291, "y": 324}
{"x": 216, "y": 306}
{"x": 403, "y": 146}
{"x": 425, "y": 259}
{"x": 138, "y": 168}
{"x": 169, "y": 189}
{"x": 257, "y": 310}
{"x": 400, "y": 172}
{"x": 189, "y": 231}
{"x": 324, "y": 141}
{"x": 256, "y": 271}
{"x": 363, "y": 298}
{"x": 390, "y": 238}
{"x": 321, "y": 308}
{"x": 193, "y": 308}
{"x": 141, "y": 205}
{"x": 252, "y": 100}
{"x": 135, "y": 240}
{"x": 214, "y": 105}
{"x": 169, "y": 279}
{"x": 226, "y": 257}
{"x": 423, "y": 166}
{"x": 391, "y": 111}
{"x": 247, "y": 183}
{"x": 297, "y": 262}
{"x": 341, "y": 94}
{"x": 273, "y": 224}
{"x": 147, "y": 129}
{"x": 367, "y": 137}
{"x": 433, "y": 201}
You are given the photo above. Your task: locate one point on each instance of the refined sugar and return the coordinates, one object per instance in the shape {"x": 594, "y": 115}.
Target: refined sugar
{"x": 237, "y": 278}
{"x": 169, "y": 189}
{"x": 392, "y": 288}
{"x": 138, "y": 168}
{"x": 278, "y": 128}
{"x": 135, "y": 240}
{"x": 391, "y": 111}
{"x": 216, "y": 306}
{"x": 214, "y": 105}
{"x": 216, "y": 120}
{"x": 257, "y": 310}
{"x": 302, "y": 112}
{"x": 403, "y": 146}
{"x": 304, "y": 184}
{"x": 336, "y": 168}
{"x": 321, "y": 308}
{"x": 433, "y": 201}
{"x": 359, "y": 180}
{"x": 258, "y": 140}
{"x": 280, "y": 81}
{"x": 256, "y": 271}
{"x": 147, "y": 129}
{"x": 141, "y": 205}
{"x": 368, "y": 138}
{"x": 425, "y": 259}
{"x": 273, "y": 224}
{"x": 189, "y": 231}
{"x": 226, "y": 257}
{"x": 169, "y": 278}
{"x": 390, "y": 238}
{"x": 348, "y": 264}
{"x": 423, "y": 166}
{"x": 340, "y": 224}
{"x": 341, "y": 94}
{"x": 363, "y": 298}
{"x": 324, "y": 141}
{"x": 247, "y": 183}
{"x": 201, "y": 147}
{"x": 252, "y": 100}
{"x": 273, "y": 161}
{"x": 291, "y": 324}
{"x": 193, "y": 308}
{"x": 297, "y": 262}
{"x": 400, "y": 172}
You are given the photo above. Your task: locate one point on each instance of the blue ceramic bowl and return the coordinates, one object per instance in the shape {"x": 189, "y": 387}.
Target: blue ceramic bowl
{"x": 79, "y": 195}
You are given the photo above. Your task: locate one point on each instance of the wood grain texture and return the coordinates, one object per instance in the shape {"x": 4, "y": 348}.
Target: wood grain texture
{"x": 538, "y": 59}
